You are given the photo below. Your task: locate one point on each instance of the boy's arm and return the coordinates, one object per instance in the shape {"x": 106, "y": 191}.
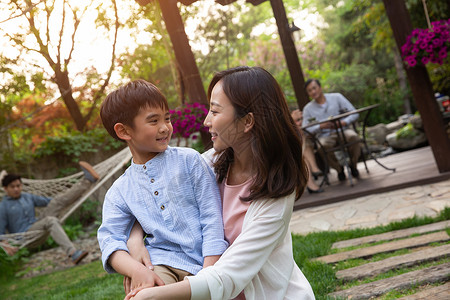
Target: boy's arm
{"x": 140, "y": 275}
{"x": 113, "y": 235}
{"x": 136, "y": 246}
{"x": 209, "y": 204}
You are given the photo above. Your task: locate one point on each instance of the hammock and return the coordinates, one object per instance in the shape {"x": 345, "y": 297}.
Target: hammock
{"x": 53, "y": 187}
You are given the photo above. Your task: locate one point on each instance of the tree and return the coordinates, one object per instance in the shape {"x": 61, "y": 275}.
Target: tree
{"x": 42, "y": 19}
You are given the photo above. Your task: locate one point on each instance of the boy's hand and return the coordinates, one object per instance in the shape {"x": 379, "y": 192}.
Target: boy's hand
{"x": 139, "y": 252}
{"x": 143, "y": 277}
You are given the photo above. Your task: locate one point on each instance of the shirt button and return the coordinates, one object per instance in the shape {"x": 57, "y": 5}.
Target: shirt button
{"x": 156, "y": 193}
{"x": 162, "y": 207}
{"x": 145, "y": 167}
{"x": 152, "y": 180}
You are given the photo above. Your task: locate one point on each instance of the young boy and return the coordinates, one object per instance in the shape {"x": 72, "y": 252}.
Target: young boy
{"x": 170, "y": 191}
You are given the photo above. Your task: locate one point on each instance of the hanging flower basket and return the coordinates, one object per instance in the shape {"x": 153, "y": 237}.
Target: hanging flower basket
{"x": 187, "y": 120}
{"x": 430, "y": 45}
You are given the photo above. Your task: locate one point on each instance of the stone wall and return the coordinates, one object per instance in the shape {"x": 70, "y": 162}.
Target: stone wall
{"x": 383, "y": 136}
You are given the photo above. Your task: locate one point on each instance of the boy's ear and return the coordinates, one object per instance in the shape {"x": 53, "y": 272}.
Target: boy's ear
{"x": 122, "y": 131}
{"x": 249, "y": 122}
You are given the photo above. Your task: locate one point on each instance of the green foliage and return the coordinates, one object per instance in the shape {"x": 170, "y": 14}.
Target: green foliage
{"x": 87, "y": 214}
{"x": 198, "y": 145}
{"x": 406, "y": 131}
{"x": 11, "y": 264}
{"x": 75, "y": 143}
{"x": 439, "y": 76}
{"x": 73, "y": 231}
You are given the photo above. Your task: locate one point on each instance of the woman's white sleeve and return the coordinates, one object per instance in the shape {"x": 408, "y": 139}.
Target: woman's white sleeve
{"x": 242, "y": 261}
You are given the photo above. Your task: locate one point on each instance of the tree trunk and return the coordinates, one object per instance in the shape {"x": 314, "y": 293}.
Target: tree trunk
{"x": 290, "y": 53}
{"x": 62, "y": 80}
{"x": 185, "y": 57}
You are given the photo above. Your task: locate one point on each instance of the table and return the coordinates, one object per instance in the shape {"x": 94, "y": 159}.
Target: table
{"x": 343, "y": 145}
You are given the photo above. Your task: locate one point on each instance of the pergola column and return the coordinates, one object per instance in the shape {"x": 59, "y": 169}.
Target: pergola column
{"x": 290, "y": 53}
{"x": 421, "y": 87}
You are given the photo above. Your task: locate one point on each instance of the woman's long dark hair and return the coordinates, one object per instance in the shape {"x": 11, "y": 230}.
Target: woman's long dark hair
{"x": 275, "y": 142}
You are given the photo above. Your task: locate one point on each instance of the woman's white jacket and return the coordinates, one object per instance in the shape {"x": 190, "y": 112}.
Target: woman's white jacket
{"x": 260, "y": 261}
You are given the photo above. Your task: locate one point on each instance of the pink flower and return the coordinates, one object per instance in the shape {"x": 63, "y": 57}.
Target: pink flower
{"x": 428, "y": 45}
{"x": 412, "y": 62}
{"x": 425, "y": 60}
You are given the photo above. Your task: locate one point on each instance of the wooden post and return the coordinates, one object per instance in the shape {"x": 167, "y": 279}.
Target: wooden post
{"x": 290, "y": 53}
{"x": 421, "y": 87}
{"x": 184, "y": 57}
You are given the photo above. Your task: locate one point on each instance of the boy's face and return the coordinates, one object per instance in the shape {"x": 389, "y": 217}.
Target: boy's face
{"x": 14, "y": 189}
{"x": 151, "y": 133}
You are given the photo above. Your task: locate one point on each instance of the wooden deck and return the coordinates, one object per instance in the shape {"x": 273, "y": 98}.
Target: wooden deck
{"x": 414, "y": 167}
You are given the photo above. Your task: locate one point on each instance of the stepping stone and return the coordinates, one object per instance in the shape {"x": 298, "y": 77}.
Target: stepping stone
{"x": 435, "y": 293}
{"x": 404, "y": 281}
{"x": 396, "y": 262}
{"x": 387, "y": 247}
{"x": 392, "y": 235}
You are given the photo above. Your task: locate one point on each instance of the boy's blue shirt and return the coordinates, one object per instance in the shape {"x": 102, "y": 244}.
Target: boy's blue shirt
{"x": 175, "y": 198}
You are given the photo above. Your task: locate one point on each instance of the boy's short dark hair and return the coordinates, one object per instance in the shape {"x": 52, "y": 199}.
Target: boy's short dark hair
{"x": 10, "y": 178}
{"x": 123, "y": 104}
{"x": 310, "y": 81}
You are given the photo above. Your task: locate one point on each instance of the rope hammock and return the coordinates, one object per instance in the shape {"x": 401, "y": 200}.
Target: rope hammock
{"x": 55, "y": 187}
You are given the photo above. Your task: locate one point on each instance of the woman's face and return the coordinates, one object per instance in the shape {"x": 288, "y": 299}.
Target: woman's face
{"x": 225, "y": 130}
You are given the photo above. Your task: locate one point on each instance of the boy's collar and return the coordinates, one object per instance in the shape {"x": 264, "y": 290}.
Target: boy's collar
{"x": 143, "y": 167}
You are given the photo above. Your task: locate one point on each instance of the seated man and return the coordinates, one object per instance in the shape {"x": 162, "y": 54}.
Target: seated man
{"x": 17, "y": 211}
{"x": 320, "y": 109}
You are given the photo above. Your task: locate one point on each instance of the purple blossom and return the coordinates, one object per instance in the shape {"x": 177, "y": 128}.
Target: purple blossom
{"x": 427, "y": 45}
{"x": 188, "y": 119}
{"x": 412, "y": 62}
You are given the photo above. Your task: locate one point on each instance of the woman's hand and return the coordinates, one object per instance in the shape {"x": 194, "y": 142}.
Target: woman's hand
{"x": 139, "y": 293}
{"x": 175, "y": 291}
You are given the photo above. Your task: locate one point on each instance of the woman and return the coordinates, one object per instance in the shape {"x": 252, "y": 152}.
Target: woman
{"x": 308, "y": 155}
{"x": 260, "y": 176}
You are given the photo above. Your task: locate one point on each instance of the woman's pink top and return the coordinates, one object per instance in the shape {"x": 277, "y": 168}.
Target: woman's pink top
{"x": 234, "y": 211}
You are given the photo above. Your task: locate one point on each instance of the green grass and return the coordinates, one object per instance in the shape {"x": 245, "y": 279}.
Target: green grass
{"x": 322, "y": 276}
{"x": 90, "y": 281}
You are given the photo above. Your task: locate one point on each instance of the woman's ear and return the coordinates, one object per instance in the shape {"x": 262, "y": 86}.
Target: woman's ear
{"x": 122, "y": 131}
{"x": 249, "y": 122}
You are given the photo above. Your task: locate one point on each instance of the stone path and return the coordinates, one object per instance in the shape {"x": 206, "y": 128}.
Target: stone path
{"x": 374, "y": 210}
